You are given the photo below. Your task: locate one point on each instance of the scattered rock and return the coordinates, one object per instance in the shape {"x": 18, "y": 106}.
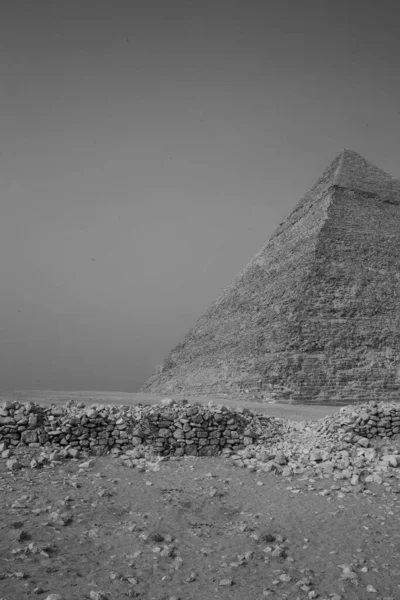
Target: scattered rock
{"x": 226, "y": 582}
{"x": 13, "y": 464}
{"x": 87, "y": 464}
{"x": 98, "y": 595}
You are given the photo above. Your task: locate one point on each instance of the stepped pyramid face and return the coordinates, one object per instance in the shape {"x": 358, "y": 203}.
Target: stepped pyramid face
{"x": 315, "y": 316}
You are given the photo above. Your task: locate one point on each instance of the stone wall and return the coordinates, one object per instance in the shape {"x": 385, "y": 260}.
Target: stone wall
{"x": 374, "y": 421}
{"x": 170, "y": 430}
{"x": 178, "y": 430}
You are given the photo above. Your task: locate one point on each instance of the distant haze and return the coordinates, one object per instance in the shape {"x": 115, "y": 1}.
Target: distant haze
{"x": 149, "y": 149}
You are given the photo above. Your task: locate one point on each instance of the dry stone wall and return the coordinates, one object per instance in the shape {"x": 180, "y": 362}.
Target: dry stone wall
{"x": 174, "y": 430}
{"x": 374, "y": 421}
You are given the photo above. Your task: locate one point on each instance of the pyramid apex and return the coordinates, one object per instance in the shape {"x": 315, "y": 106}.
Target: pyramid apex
{"x": 350, "y": 170}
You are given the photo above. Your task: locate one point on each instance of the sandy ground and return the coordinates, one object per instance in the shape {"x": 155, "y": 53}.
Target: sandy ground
{"x": 194, "y": 529}
{"x": 287, "y": 411}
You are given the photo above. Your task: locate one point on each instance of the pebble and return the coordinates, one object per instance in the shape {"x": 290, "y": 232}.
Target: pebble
{"x": 87, "y": 464}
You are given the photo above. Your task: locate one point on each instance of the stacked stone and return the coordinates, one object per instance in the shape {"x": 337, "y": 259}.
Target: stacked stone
{"x": 174, "y": 430}
{"x": 21, "y": 424}
{"x": 372, "y": 420}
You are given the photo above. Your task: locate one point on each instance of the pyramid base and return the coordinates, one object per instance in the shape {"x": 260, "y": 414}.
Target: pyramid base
{"x": 290, "y": 378}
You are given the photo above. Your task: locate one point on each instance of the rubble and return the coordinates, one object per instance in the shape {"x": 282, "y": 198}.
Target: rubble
{"x": 359, "y": 444}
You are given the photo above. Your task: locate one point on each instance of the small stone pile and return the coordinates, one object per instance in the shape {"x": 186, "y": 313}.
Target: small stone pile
{"x": 172, "y": 429}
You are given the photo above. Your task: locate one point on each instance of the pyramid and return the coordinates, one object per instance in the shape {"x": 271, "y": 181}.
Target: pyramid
{"x": 314, "y": 318}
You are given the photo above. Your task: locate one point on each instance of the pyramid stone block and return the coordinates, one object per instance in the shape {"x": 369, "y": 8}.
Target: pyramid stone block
{"x": 315, "y": 316}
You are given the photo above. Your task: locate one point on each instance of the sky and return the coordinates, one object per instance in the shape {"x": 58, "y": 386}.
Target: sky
{"x": 148, "y": 149}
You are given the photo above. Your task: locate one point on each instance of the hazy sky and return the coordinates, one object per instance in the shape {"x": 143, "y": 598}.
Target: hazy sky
{"x": 149, "y": 149}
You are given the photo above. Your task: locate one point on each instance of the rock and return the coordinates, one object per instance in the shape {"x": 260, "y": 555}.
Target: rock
{"x": 278, "y": 551}
{"x": 13, "y": 464}
{"x": 6, "y": 453}
{"x": 348, "y": 573}
{"x": 300, "y": 425}
{"x": 328, "y": 467}
{"x": 226, "y": 582}
{"x": 370, "y": 454}
{"x": 316, "y": 456}
{"x": 29, "y": 436}
{"x": 91, "y": 413}
{"x": 55, "y": 597}
{"x": 73, "y": 452}
{"x": 7, "y": 404}
{"x": 56, "y": 455}
{"x": 32, "y": 420}
{"x": 62, "y": 519}
{"x": 168, "y": 402}
{"x": 87, "y": 464}
{"x": 280, "y": 458}
{"x": 38, "y": 590}
{"x": 390, "y": 459}
{"x": 364, "y": 442}
{"x": 287, "y": 471}
{"x": 98, "y": 595}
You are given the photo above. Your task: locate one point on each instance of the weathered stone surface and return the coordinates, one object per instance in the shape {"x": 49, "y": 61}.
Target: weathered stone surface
{"x": 314, "y": 317}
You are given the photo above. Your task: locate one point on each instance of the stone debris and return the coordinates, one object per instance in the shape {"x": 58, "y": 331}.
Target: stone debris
{"x": 334, "y": 446}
